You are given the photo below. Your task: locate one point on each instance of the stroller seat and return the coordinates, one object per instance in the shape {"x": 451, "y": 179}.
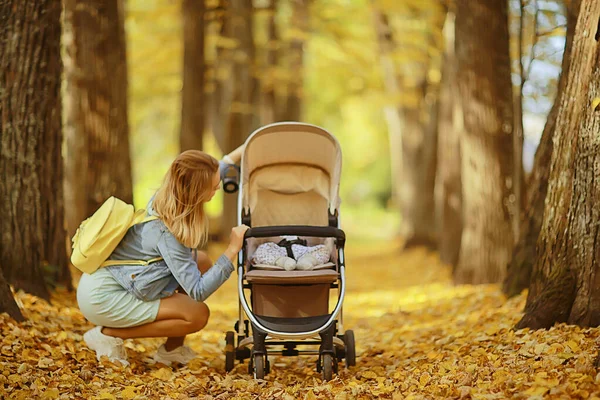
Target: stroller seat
{"x": 292, "y": 277}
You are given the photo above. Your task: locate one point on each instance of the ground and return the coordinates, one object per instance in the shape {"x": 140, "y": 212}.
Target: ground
{"x": 417, "y": 337}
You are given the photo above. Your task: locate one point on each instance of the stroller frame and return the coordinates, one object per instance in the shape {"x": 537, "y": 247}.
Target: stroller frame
{"x": 326, "y": 331}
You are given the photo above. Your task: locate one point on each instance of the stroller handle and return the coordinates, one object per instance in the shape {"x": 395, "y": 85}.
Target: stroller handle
{"x": 299, "y": 230}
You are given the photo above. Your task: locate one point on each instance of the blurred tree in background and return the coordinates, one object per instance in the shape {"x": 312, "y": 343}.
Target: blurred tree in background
{"x": 486, "y": 130}
{"x": 192, "y": 91}
{"x": 410, "y": 69}
{"x": 97, "y": 151}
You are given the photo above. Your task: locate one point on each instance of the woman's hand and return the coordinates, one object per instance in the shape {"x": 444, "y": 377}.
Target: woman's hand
{"x": 236, "y": 240}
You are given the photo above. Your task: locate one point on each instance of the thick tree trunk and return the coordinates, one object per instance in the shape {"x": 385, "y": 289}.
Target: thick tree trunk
{"x": 523, "y": 257}
{"x": 485, "y": 87}
{"x": 31, "y": 202}
{"x": 192, "y": 104}
{"x": 413, "y": 146}
{"x": 565, "y": 285}
{"x": 97, "y": 144}
{"x": 449, "y": 154}
{"x": 241, "y": 119}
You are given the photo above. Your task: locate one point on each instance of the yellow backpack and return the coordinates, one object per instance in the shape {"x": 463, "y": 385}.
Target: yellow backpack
{"x": 99, "y": 235}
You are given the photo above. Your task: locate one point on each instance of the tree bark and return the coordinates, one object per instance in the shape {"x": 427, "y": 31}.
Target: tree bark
{"x": 7, "y": 301}
{"x": 485, "y": 89}
{"x": 565, "y": 285}
{"x": 192, "y": 99}
{"x": 241, "y": 119}
{"x": 523, "y": 257}
{"x": 31, "y": 197}
{"x": 449, "y": 154}
{"x": 97, "y": 161}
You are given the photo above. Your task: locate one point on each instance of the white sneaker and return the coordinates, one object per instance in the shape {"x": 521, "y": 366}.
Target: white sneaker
{"x": 181, "y": 354}
{"x": 105, "y": 345}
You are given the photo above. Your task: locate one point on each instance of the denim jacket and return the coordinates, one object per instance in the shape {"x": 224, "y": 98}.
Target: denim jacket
{"x": 178, "y": 267}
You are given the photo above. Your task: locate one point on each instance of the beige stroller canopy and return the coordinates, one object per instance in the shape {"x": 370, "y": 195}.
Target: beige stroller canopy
{"x": 290, "y": 174}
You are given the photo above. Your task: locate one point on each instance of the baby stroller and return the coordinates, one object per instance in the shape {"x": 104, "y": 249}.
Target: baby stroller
{"x": 289, "y": 184}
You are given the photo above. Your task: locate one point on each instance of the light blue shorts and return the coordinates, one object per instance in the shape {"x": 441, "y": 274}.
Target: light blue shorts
{"x": 104, "y": 302}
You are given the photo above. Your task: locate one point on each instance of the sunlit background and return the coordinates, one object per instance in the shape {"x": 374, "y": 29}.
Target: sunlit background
{"x": 343, "y": 88}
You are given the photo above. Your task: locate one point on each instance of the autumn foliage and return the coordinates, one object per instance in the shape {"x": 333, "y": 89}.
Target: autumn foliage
{"x": 418, "y": 337}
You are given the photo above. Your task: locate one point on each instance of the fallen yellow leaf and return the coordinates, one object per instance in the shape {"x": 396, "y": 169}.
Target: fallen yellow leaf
{"x": 537, "y": 390}
{"x": 51, "y": 394}
{"x": 129, "y": 392}
{"x": 573, "y": 346}
{"x": 163, "y": 374}
{"x": 369, "y": 375}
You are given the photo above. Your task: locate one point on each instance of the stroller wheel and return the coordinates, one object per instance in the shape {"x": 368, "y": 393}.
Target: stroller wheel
{"x": 350, "y": 350}
{"x": 229, "y": 351}
{"x": 327, "y": 368}
{"x": 259, "y": 366}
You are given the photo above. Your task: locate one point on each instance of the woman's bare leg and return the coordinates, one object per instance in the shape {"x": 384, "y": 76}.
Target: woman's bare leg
{"x": 178, "y": 315}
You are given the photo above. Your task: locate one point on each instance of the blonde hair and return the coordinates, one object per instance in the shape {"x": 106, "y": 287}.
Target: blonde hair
{"x": 180, "y": 200}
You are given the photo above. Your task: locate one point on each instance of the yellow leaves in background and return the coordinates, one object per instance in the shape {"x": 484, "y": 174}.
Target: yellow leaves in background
{"x": 596, "y": 104}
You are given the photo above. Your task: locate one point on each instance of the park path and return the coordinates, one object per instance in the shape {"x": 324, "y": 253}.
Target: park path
{"x": 418, "y": 337}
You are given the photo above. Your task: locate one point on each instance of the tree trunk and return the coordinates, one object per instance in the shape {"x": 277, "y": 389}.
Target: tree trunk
{"x": 97, "y": 144}
{"x": 268, "y": 113}
{"x": 241, "y": 119}
{"x": 31, "y": 197}
{"x": 7, "y": 301}
{"x": 192, "y": 104}
{"x": 523, "y": 257}
{"x": 419, "y": 161}
{"x": 565, "y": 285}
{"x": 485, "y": 89}
{"x": 293, "y": 100}
{"x": 221, "y": 83}
{"x": 449, "y": 154}
{"x": 386, "y": 42}
{"x": 413, "y": 145}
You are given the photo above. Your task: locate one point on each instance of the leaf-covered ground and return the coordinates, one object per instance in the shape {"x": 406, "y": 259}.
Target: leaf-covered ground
{"x": 417, "y": 337}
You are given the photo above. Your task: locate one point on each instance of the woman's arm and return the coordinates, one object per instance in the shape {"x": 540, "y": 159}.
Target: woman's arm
{"x": 181, "y": 263}
{"x": 235, "y": 156}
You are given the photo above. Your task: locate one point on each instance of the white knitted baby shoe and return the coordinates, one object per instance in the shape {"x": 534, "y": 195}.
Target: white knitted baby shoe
{"x": 307, "y": 262}
{"x": 286, "y": 263}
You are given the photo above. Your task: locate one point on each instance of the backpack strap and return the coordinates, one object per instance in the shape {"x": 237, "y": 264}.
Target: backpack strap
{"x": 110, "y": 263}
{"x": 148, "y": 219}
